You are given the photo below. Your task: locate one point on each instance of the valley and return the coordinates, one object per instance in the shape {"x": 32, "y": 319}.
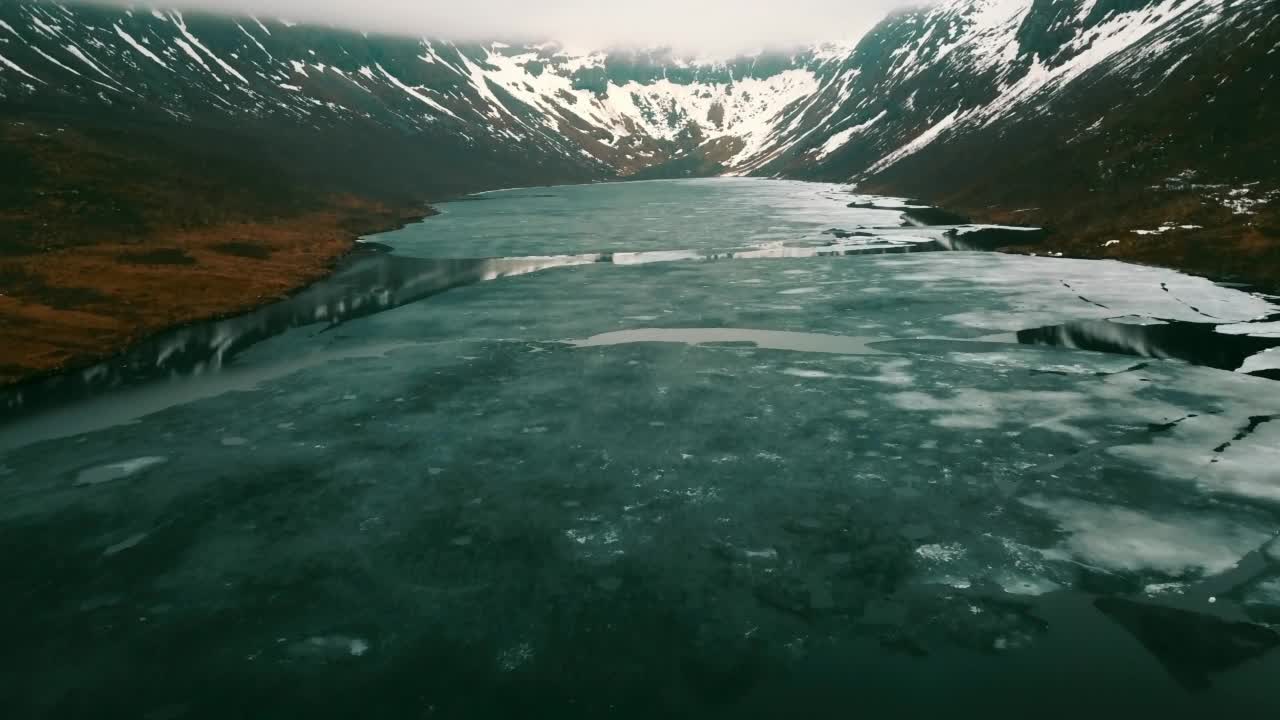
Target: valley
{"x": 1129, "y": 130}
{"x": 625, "y": 449}
{"x": 358, "y": 366}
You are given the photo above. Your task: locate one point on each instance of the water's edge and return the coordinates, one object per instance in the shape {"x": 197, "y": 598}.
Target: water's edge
{"x": 368, "y": 279}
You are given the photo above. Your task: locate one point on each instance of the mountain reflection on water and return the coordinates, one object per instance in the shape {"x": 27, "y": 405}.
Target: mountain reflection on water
{"x": 374, "y": 281}
{"x": 367, "y": 284}
{"x": 370, "y": 282}
{"x": 1195, "y": 343}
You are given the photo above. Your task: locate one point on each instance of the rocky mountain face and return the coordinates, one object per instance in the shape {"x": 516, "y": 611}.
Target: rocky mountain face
{"x": 1138, "y": 129}
{"x": 609, "y": 114}
{"x": 1063, "y": 112}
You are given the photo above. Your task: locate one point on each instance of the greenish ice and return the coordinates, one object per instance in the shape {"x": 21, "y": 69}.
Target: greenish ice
{"x": 708, "y": 448}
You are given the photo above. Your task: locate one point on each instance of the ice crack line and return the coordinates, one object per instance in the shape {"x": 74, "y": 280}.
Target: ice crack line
{"x": 1255, "y": 422}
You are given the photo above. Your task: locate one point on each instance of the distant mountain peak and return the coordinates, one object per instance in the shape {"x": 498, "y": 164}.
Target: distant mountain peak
{"x": 924, "y": 76}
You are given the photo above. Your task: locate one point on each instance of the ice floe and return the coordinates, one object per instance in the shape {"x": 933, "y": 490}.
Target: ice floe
{"x": 118, "y": 470}
{"x": 1128, "y": 540}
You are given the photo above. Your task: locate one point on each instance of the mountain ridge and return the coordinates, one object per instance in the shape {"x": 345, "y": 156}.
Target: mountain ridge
{"x": 832, "y": 111}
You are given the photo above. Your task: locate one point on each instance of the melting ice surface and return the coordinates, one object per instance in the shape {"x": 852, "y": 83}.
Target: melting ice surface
{"x": 671, "y": 448}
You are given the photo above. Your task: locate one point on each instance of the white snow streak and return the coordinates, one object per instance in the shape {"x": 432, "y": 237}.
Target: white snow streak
{"x": 842, "y": 138}
{"x": 84, "y": 58}
{"x": 192, "y": 52}
{"x": 255, "y": 41}
{"x": 182, "y": 28}
{"x": 14, "y": 66}
{"x": 55, "y": 61}
{"x": 414, "y": 93}
{"x": 139, "y": 47}
{"x": 918, "y": 144}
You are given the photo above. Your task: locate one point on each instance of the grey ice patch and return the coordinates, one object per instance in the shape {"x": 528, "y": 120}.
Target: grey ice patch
{"x": 1124, "y": 540}
{"x": 974, "y": 409}
{"x": 330, "y": 647}
{"x": 939, "y": 553}
{"x": 893, "y": 373}
{"x": 118, "y": 470}
{"x": 1158, "y": 589}
{"x": 763, "y": 339}
{"x": 807, "y": 374}
{"x": 1265, "y": 360}
{"x": 126, "y": 544}
{"x": 1255, "y": 329}
{"x": 1027, "y": 585}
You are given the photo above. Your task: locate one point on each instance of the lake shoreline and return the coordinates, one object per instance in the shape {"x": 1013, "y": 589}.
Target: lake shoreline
{"x": 857, "y": 463}
{"x": 1222, "y": 247}
{"x": 277, "y": 260}
{"x": 352, "y": 220}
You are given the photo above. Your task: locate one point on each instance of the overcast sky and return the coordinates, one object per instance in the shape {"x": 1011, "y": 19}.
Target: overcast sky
{"x": 711, "y": 26}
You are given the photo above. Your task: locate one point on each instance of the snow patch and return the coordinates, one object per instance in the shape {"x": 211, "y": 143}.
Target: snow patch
{"x": 842, "y": 138}
{"x": 139, "y": 47}
{"x": 182, "y": 28}
{"x": 921, "y": 141}
{"x": 412, "y": 92}
{"x": 6, "y": 62}
{"x": 84, "y": 58}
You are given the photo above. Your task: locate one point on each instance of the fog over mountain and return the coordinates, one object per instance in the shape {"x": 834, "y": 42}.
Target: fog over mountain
{"x": 708, "y": 26}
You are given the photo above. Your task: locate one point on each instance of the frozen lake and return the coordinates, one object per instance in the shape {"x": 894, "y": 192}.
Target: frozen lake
{"x": 682, "y": 448}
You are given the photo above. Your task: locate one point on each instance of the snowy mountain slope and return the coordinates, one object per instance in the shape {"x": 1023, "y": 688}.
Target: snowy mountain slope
{"x": 616, "y": 112}
{"x": 965, "y": 66}
{"x": 1105, "y": 121}
{"x": 966, "y": 102}
{"x": 922, "y": 77}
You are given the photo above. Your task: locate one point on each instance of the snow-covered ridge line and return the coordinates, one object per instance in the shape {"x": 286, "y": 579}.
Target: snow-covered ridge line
{"x": 923, "y": 78}
{"x": 993, "y": 38}
{"x": 573, "y": 103}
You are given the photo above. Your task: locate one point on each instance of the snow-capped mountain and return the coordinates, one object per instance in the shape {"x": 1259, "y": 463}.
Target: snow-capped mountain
{"x": 966, "y": 101}
{"x": 981, "y": 68}
{"x": 617, "y": 112}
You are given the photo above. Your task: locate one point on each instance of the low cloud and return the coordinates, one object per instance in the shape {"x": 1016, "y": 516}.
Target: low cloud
{"x": 696, "y": 26}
